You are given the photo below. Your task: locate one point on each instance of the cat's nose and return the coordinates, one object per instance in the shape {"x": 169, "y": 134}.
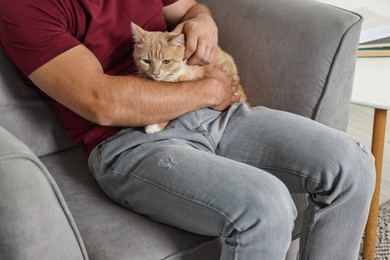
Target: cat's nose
{"x": 156, "y": 73}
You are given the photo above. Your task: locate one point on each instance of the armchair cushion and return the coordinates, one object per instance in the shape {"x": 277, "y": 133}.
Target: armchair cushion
{"x": 35, "y": 222}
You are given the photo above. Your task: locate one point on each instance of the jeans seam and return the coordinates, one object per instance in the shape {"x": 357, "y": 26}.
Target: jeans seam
{"x": 188, "y": 199}
{"x": 183, "y": 125}
{"x": 196, "y": 129}
{"x": 205, "y": 133}
{"x": 180, "y": 121}
{"x": 324, "y": 187}
{"x": 286, "y": 170}
{"x": 309, "y": 231}
{"x": 195, "y": 246}
{"x": 99, "y": 155}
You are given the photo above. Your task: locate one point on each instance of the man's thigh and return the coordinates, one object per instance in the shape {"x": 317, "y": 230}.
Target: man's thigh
{"x": 191, "y": 189}
{"x": 303, "y": 153}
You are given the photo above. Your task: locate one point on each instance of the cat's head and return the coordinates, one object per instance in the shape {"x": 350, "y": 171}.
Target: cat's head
{"x": 158, "y": 54}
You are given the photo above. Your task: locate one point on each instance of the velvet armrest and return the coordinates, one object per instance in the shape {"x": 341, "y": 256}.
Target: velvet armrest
{"x": 35, "y": 222}
{"x": 292, "y": 55}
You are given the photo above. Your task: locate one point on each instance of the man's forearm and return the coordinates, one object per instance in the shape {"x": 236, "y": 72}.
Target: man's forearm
{"x": 183, "y": 11}
{"x": 76, "y": 79}
{"x": 196, "y": 10}
{"x": 133, "y": 101}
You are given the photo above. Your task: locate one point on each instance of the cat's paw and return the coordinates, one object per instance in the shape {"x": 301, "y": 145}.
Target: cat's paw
{"x": 150, "y": 129}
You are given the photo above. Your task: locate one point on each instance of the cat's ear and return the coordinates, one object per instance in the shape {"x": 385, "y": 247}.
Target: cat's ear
{"x": 177, "y": 40}
{"x": 138, "y": 33}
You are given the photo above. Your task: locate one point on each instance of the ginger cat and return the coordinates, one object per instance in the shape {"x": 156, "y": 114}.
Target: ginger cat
{"x": 159, "y": 56}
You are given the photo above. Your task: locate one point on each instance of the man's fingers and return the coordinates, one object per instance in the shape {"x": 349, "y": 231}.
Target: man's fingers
{"x": 198, "y": 55}
{"x": 203, "y": 55}
{"x": 208, "y": 54}
{"x": 179, "y": 28}
{"x": 191, "y": 45}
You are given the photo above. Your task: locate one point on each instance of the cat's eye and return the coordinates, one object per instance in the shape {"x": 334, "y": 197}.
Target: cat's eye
{"x": 166, "y": 61}
{"x": 146, "y": 61}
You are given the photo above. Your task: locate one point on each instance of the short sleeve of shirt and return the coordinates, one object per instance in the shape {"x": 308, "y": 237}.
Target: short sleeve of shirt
{"x": 34, "y": 32}
{"x": 168, "y": 2}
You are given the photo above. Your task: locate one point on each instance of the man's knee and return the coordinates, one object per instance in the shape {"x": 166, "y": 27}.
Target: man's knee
{"x": 365, "y": 173}
{"x": 272, "y": 205}
{"x": 357, "y": 168}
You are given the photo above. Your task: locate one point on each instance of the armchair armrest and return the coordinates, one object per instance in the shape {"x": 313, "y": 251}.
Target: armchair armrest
{"x": 35, "y": 222}
{"x": 293, "y": 55}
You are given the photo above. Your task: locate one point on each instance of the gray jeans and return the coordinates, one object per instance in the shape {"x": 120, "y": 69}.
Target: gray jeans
{"x": 230, "y": 174}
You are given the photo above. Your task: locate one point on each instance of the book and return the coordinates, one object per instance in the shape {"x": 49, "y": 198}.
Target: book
{"x": 377, "y": 48}
{"x": 374, "y": 46}
{"x": 373, "y": 53}
{"x": 380, "y": 42}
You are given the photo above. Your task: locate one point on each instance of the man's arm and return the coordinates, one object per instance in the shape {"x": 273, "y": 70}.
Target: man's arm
{"x": 76, "y": 79}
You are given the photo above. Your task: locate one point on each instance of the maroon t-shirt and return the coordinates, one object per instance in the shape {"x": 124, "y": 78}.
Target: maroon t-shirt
{"x": 32, "y": 32}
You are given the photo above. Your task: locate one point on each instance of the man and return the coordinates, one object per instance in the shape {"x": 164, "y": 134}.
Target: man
{"x": 219, "y": 168}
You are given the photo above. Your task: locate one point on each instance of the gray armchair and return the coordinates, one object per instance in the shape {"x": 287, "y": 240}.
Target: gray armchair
{"x": 293, "y": 55}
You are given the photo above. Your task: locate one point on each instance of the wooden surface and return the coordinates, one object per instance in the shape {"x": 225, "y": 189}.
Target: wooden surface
{"x": 378, "y": 141}
{"x": 360, "y": 126}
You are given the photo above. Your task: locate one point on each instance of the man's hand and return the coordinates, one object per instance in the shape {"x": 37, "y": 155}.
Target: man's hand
{"x": 224, "y": 89}
{"x": 197, "y": 24}
{"x": 201, "y": 39}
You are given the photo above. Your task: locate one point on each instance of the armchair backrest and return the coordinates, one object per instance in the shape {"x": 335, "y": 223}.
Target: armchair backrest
{"x": 292, "y": 55}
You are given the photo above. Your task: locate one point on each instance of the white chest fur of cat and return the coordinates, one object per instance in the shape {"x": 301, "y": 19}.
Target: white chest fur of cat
{"x": 159, "y": 56}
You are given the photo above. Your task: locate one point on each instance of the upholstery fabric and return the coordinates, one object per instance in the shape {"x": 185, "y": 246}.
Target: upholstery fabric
{"x": 35, "y": 222}
{"x": 26, "y": 115}
{"x": 290, "y": 51}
